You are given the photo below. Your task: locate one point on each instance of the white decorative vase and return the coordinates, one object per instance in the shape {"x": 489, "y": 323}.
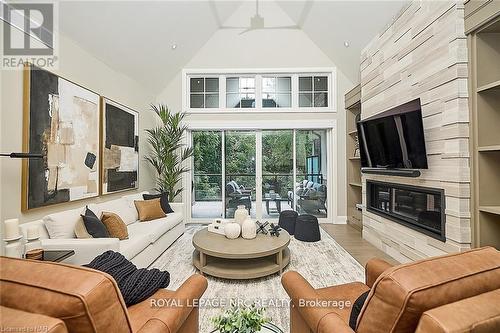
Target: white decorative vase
{"x": 232, "y": 230}
{"x": 248, "y": 229}
{"x": 240, "y": 215}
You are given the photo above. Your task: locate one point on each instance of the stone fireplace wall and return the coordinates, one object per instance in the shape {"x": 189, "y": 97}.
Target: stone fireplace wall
{"x": 423, "y": 54}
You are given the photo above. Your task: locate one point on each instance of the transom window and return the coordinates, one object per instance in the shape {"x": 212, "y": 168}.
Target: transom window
{"x": 204, "y": 92}
{"x": 240, "y": 92}
{"x": 290, "y": 92}
{"x": 313, "y": 91}
{"x": 277, "y": 92}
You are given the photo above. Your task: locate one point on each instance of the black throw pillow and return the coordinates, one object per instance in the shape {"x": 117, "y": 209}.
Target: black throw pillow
{"x": 356, "y": 309}
{"x": 94, "y": 226}
{"x": 165, "y": 206}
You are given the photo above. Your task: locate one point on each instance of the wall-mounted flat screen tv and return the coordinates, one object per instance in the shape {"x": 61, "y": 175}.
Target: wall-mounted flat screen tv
{"x": 394, "y": 139}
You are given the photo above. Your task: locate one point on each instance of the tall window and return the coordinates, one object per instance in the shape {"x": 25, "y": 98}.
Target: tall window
{"x": 204, "y": 92}
{"x": 277, "y": 92}
{"x": 313, "y": 91}
{"x": 240, "y": 92}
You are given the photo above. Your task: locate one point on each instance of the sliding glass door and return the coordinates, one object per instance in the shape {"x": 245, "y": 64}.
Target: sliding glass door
{"x": 310, "y": 195}
{"x": 277, "y": 172}
{"x": 206, "y": 196}
{"x": 266, "y": 171}
{"x": 240, "y": 171}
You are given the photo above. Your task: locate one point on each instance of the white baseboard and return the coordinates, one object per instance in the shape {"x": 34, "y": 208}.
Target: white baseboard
{"x": 340, "y": 220}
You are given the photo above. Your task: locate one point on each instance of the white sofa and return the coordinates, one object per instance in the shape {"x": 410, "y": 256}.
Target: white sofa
{"x": 146, "y": 242}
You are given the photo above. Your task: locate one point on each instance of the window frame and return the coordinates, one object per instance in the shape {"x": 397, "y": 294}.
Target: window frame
{"x": 204, "y": 93}
{"x": 258, "y": 74}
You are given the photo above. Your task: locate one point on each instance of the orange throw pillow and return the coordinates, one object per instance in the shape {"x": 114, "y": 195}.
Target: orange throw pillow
{"x": 149, "y": 209}
{"x": 115, "y": 225}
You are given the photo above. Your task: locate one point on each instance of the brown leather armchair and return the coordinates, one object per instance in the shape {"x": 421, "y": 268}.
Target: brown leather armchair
{"x": 74, "y": 299}
{"x": 425, "y": 295}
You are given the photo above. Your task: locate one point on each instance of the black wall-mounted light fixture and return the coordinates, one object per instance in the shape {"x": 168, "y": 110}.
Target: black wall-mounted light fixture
{"x": 21, "y": 155}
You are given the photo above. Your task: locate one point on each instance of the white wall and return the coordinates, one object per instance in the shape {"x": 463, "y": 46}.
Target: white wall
{"x": 289, "y": 48}
{"x": 81, "y": 67}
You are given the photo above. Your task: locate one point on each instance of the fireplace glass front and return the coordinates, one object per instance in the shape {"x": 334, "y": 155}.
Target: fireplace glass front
{"x": 419, "y": 208}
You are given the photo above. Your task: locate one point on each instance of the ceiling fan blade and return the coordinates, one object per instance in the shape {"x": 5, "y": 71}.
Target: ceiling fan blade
{"x": 215, "y": 13}
{"x": 228, "y": 27}
{"x": 305, "y": 13}
{"x": 247, "y": 30}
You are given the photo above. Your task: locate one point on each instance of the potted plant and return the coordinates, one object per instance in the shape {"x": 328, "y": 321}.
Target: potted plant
{"x": 240, "y": 320}
{"x": 168, "y": 152}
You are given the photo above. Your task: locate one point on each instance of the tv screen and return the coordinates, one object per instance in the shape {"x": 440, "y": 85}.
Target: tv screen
{"x": 394, "y": 139}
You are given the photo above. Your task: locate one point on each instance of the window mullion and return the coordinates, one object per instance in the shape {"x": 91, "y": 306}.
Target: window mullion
{"x": 295, "y": 91}
{"x": 222, "y": 91}
{"x": 258, "y": 92}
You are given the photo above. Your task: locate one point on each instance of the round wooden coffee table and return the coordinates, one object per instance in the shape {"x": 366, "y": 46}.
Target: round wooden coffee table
{"x": 240, "y": 258}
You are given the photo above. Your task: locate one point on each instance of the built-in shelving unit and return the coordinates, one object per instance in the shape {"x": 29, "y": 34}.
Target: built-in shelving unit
{"x": 483, "y": 28}
{"x": 354, "y": 187}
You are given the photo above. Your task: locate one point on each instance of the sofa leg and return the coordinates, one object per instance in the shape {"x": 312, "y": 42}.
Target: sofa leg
{"x": 297, "y": 324}
{"x": 191, "y": 325}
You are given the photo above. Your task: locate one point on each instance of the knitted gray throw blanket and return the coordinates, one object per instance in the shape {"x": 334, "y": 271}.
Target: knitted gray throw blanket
{"x": 136, "y": 285}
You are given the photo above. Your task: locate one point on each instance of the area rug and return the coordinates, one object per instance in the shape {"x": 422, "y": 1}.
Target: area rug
{"x": 324, "y": 263}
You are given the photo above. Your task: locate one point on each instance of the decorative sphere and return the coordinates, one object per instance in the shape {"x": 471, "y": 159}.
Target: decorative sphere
{"x": 232, "y": 230}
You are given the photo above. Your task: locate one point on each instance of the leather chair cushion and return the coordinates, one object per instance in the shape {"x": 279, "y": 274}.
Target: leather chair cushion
{"x": 85, "y": 299}
{"x": 478, "y": 314}
{"x": 403, "y": 293}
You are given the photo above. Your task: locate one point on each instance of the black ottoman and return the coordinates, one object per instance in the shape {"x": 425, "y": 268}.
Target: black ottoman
{"x": 307, "y": 228}
{"x": 287, "y": 220}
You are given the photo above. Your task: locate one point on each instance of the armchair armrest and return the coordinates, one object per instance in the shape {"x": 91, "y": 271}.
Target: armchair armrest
{"x": 373, "y": 269}
{"x": 14, "y": 320}
{"x": 333, "y": 320}
{"x": 85, "y": 249}
{"x": 185, "y": 299}
{"x": 319, "y": 319}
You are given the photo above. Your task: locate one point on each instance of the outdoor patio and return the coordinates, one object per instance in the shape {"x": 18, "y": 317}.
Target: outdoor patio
{"x": 214, "y": 209}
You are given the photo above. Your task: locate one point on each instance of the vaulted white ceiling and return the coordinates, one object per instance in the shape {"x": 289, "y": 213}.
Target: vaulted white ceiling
{"x": 136, "y": 37}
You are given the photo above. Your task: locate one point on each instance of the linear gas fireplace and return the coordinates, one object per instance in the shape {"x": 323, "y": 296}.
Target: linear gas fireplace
{"x": 419, "y": 208}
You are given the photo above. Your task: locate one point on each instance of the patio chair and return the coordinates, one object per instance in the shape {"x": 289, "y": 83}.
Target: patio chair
{"x": 237, "y": 195}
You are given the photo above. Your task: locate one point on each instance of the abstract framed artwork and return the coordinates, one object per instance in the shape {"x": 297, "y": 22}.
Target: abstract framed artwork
{"x": 120, "y": 147}
{"x": 61, "y": 122}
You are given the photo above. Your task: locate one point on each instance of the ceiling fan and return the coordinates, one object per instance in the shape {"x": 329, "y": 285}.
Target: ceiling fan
{"x": 257, "y": 21}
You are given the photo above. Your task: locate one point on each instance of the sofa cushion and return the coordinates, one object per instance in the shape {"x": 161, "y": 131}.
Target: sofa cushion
{"x": 156, "y": 228}
{"x": 122, "y": 207}
{"x": 62, "y": 224}
{"x": 136, "y": 242}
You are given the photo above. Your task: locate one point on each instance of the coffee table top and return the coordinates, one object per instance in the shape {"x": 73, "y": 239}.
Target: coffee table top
{"x": 217, "y": 245}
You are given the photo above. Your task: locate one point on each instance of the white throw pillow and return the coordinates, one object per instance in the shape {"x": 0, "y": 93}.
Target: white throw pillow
{"x": 62, "y": 225}
{"x": 121, "y": 207}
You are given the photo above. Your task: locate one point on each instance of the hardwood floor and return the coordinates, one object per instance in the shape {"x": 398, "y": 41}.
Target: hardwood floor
{"x": 351, "y": 240}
